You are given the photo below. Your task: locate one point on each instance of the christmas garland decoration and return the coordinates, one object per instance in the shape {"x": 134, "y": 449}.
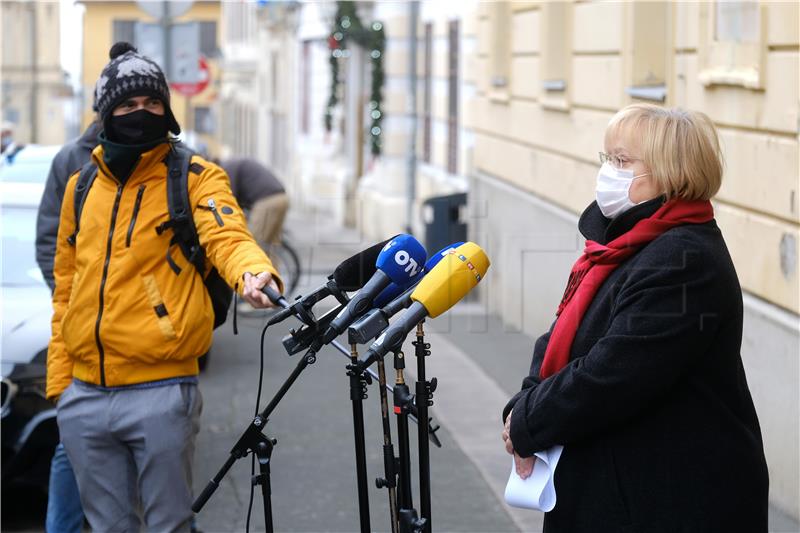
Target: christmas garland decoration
{"x": 347, "y": 27}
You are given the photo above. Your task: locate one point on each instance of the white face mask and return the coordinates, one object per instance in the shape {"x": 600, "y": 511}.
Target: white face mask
{"x": 613, "y": 185}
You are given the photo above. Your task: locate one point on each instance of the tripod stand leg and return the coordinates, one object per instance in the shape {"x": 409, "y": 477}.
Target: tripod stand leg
{"x": 388, "y": 451}
{"x": 402, "y": 401}
{"x": 423, "y": 391}
{"x": 357, "y": 394}
{"x": 263, "y": 453}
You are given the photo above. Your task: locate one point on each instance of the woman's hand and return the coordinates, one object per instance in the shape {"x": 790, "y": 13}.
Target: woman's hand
{"x": 252, "y": 289}
{"x": 523, "y": 465}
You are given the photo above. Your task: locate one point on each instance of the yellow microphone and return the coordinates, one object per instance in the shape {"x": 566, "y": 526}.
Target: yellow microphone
{"x": 441, "y": 288}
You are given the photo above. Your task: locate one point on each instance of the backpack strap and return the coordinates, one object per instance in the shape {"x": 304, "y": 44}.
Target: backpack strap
{"x": 82, "y": 186}
{"x": 181, "y": 220}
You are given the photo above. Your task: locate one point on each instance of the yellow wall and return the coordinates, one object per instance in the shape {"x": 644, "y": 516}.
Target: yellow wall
{"x": 553, "y": 152}
{"x": 97, "y": 35}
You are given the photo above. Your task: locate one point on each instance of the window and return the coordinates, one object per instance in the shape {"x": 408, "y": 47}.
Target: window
{"x": 124, "y": 30}
{"x": 500, "y": 50}
{"x": 556, "y": 55}
{"x": 208, "y": 39}
{"x": 737, "y": 21}
{"x": 647, "y": 57}
{"x": 733, "y": 43}
{"x": 452, "y": 97}
{"x": 204, "y": 120}
{"x": 427, "y": 94}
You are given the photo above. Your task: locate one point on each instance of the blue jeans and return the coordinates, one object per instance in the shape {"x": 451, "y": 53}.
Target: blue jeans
{"x": 64, "y": 511}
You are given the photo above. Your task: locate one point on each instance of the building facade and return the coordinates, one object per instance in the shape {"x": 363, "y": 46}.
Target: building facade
{"x": 33, "y": 90}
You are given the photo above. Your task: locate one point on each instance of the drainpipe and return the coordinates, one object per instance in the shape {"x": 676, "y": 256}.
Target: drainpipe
{"x": 411, "y": 174}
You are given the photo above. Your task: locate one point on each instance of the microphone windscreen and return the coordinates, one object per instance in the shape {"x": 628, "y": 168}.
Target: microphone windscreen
{"x": 452, "y": 278}
{"x": 355, "y": 271}
{"x": 435, "y": 258}
{"x": 402, "y": 259}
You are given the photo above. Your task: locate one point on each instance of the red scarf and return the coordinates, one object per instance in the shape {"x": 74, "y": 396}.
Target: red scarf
{"x": 596, "y": 264}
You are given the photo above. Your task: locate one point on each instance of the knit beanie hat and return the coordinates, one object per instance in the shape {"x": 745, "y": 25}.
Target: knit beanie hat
{"x": 131, "y": 74}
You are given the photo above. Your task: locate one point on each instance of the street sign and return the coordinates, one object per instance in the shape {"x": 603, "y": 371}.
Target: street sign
{"x": 185, "y": 50}
{"x": 164, "y": 8}
{"x": 194, "y": 88}
{"x": 149, "y": 40}
{"x": 185, "y": 39}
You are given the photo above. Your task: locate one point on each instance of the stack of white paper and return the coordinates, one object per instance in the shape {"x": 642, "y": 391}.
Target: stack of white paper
{"x": 538, "y": 491}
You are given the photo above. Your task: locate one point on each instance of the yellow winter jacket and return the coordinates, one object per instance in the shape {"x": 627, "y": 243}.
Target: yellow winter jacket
{"x": 121, "y": 315}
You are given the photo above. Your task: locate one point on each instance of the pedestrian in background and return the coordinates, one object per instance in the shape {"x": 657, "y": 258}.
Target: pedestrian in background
{"x": 8, "y": 147}
{"x": 128, "y": 326}
{"x": 261, "y": 193}
{"x": 640, "y": 378}
{"x": 64, "y": 512}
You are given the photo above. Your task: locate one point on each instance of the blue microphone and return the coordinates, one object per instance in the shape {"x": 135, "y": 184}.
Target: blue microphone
{"x": 400, "y": 262}
{"x": 394, "y": 290}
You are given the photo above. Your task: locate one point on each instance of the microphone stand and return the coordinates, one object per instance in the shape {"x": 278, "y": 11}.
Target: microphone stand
{"x": 424, "y": 399}
{"x": 254, "y": 441}
{"x": 389, "y": 480}
{"x": 358, "y": 392}
{"x": 409, "y": 522}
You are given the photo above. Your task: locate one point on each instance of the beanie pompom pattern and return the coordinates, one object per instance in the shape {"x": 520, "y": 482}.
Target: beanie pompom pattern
{"x": 120, "y": 48}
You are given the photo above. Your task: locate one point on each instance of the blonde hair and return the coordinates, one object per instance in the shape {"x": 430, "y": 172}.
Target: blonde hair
{"x": 680, "y": 148}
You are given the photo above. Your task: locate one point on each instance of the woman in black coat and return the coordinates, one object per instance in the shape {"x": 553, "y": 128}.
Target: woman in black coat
{"x": 641, "y": 378}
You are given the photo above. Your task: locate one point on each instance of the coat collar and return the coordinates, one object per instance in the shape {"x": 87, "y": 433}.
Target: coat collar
{"x": 595, "y": 227}
{"x": 147, "y": 161}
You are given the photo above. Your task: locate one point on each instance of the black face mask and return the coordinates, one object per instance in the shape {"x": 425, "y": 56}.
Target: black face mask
{"x": 139, "y": 127}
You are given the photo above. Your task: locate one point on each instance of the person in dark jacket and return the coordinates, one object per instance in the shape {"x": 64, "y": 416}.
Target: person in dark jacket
{"x": 258, "y": 190}
{"x": 70, "y": 158}
{"x": 64, "y": 511}
{"x": 640, "y": 378}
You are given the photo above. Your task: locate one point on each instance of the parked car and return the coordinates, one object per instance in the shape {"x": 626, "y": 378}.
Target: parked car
{"x": 30, "y": 164}
{"x": 28, "y": 421}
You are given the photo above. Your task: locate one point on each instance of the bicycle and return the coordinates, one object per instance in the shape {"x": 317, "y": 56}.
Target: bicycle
{"x": 286, "y": 260}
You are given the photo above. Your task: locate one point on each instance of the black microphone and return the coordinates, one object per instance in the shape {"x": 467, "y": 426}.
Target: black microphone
{"x": 350, "y": 275}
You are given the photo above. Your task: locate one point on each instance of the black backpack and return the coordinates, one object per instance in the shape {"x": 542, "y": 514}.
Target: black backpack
{"x": 180, "y": 221}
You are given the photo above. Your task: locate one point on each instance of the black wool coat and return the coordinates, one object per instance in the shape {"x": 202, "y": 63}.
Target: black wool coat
{"x": 659, "y": 429}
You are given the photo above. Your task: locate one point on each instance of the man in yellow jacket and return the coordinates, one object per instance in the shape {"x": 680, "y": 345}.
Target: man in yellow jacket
{"x": 128, "y": 325}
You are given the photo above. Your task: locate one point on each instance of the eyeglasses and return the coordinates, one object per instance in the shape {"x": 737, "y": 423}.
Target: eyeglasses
{"x": 617, "y": 161}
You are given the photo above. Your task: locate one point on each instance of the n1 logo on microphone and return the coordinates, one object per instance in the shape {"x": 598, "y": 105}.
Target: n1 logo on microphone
{"x": 403, "y": 259}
